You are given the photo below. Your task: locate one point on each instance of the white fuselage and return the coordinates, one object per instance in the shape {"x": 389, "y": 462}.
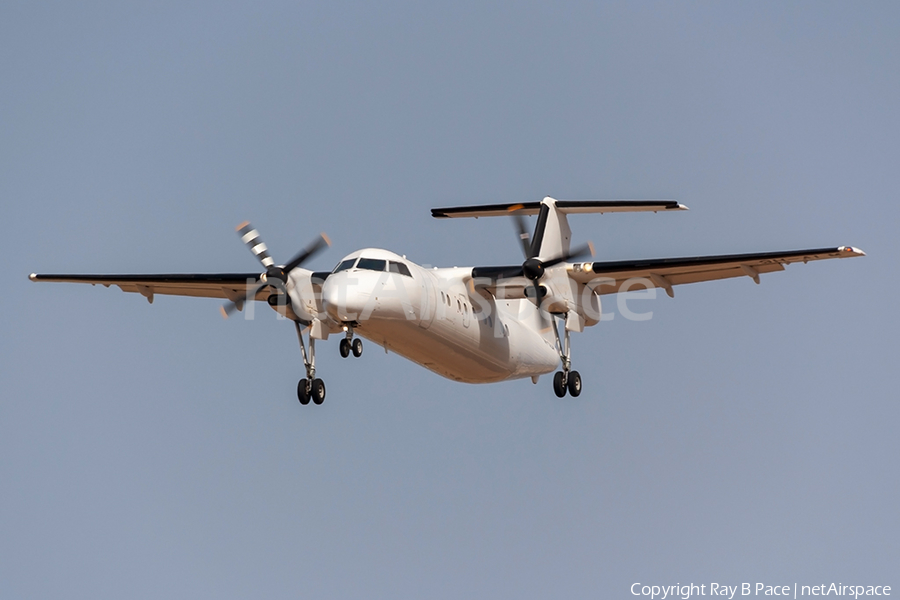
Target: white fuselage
{"x": 433, "y": 318}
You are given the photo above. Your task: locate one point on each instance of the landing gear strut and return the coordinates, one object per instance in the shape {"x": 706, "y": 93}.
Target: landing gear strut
{"x": 565, "y": 380}
{"x": 309, "y": 388}
{"x": 350, "y": 344}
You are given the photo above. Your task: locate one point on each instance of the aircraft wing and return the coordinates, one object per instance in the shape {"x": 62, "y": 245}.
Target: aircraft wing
{"x": 608, "y": 277}
{"x": 231, "y": 286}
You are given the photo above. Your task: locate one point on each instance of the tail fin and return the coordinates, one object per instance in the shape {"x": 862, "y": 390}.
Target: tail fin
{"x": 552, "y": 235}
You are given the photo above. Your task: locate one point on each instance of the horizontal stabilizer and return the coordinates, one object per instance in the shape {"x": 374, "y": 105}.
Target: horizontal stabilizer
{"x": 570, "y": 207}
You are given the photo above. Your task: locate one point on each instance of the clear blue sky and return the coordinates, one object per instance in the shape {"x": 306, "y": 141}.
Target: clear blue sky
{"x": 745, "y": 433}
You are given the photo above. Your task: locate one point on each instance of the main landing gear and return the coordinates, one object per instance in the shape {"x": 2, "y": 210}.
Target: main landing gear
{"x": 565, "y": 380}
{"x": 350, "y": 344}
{"x": 309, "y": 388}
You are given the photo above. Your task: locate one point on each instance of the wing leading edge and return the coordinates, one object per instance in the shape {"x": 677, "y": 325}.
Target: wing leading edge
{"x": 230, "y": 286}
{"x": 608, "y": 277}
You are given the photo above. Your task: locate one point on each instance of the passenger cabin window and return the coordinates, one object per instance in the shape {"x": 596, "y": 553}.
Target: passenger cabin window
{"x": 371, "y": 264}
{"x": 396, "y": 267}
{"x": 344, "y": 265}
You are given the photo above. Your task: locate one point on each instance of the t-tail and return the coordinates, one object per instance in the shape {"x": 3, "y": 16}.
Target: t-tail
{"x": 552, "y": 237}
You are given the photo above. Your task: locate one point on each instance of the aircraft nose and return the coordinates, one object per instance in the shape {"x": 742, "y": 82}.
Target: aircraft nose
{"x": 343, "y": 298}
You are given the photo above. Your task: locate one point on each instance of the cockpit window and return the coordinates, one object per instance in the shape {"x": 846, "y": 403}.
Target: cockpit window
{"x": 397, "y": 267}
{"x": 372, "y": 264}
{"x": 344, "y": 265}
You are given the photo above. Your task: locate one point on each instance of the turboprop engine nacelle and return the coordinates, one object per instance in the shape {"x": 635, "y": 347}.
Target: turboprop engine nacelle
{"x": 305, "y": 298}
{"x": 577, "y": 301}
{"x": 552, "y": 302}
{"x": 583, "y": 307}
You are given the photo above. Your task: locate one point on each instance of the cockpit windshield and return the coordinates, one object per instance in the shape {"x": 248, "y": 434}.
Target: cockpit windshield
{"x": 399, "y": 267}
{"x": 344, "y": 265}
{"x": 371, "y": 264}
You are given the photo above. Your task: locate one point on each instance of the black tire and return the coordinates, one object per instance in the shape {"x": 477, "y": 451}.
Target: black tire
{"x": 559, "y": 386}
{"x": 345, "y": 348}
{"x": 317, "y": 392}
{"x": 303, "y": 392}
{"x": 357, "y": 347}
{"x": 574, "y": 383}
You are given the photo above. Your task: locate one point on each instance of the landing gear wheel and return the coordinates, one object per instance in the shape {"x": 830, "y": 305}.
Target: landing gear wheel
{"x": 303, "y": 392}
{"x": 559, "y": 384}
{"x": 357, "y": 347}
{"x": 345, "y": 348}
{"x": 317, "y": 391}
{"x": 574, "y": 383}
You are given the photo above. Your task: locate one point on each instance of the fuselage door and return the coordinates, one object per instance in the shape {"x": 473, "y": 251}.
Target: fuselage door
{"x": 427, "y": 303}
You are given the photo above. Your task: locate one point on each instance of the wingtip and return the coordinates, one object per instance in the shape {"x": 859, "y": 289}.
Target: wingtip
{"x": 853, "y": 250}
{"x": 682, "y": 207}
{"x": 33, "y": 277}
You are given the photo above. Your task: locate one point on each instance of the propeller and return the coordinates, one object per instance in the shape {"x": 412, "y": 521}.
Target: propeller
{"x": 533, "y": 268}
{"x": 275, "y": 276}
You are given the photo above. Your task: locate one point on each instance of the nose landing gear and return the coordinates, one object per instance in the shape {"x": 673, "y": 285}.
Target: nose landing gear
{"x": 350, "y": 344}
{"x": 309, "y": 388}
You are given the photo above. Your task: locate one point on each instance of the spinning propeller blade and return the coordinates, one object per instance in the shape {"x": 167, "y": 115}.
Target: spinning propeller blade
{"x": 231, "y": 306}
{"x": 521, "y": 228}
{"x": 579, "y": 252}
{"x": 251, "y": 238}
{"x": 321, "y": 242}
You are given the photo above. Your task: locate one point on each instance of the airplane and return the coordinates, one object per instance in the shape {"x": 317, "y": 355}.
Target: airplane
{"x": 478, "y": 324}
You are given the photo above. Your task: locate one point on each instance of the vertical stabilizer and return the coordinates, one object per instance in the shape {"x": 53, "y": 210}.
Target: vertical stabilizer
{"x": 552, "y": 235}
